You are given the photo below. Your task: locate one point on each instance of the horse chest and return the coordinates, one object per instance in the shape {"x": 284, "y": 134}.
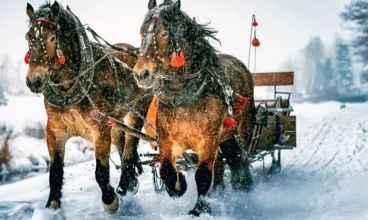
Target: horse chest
{"x": 77, "y": 124}
{"x": 189, "y": 125}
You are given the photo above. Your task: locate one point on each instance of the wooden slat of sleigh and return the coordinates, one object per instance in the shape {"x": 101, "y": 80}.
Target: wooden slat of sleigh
{"x": 274, "y": 79}
{"x": 268, "y": 139}
{"x": 260, "y": 79}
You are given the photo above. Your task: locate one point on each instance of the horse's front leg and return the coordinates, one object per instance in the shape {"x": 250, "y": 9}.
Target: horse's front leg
{"x": 56, "y": 139}
{"x": 130, "y": 159}
{"x": 218, "y": 182}
{"x": 130, "y": 163}
{"x": 102, "y": 142}
{"x": 174, "y": 181}
{"x": 204, "y": 175}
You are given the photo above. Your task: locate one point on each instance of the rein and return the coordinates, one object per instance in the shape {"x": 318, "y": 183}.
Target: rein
{"x": 97, "y": 36}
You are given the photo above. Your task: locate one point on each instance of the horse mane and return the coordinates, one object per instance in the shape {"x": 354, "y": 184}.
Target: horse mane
{"x": 198, "y": 36}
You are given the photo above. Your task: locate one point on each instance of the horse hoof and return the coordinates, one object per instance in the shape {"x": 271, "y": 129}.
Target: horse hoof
{"x": 133, "y": 188}
{"x": 54, "y": 205}
{"x": 113, "y": 207}
{"x": 129, "y": 189}
{"x": 200, "y": 208}
{"x": 179, "y": 188}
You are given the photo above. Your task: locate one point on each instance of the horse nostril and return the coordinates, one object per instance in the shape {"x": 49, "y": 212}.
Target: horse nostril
{"x": 145, "y": 74}
{"x": 37, "y": 83}
{"x": 34, "y": 83}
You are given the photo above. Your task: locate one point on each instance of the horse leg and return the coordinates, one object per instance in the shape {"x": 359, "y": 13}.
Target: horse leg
{"x": 130, "y": 159}
{"x": 203, "y": 177}
{"x": 218, "y": 183}
{"x": 174, "y": 181}
{"x": 102, "y": 141}
{"x": 56, "y": 146}
{"x": 241, "y": 177}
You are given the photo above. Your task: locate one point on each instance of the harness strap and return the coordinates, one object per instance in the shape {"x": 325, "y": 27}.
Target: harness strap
{"x": 179, "y": 77}
{"x": 96, "y": 37}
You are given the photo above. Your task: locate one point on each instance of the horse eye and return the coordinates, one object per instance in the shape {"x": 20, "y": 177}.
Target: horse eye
{"x": 52, "y": 39}
{"x": 165, "y": 34}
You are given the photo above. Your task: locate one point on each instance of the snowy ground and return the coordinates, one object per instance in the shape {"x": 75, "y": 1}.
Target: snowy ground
{"x": 26, "y": 118}
{"x": 325, "y": 177}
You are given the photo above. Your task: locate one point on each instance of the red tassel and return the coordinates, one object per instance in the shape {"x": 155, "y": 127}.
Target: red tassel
{"x": 60, "y": 55}
{"x": 177, "y": 60}
{"x": 229, "y": 123}
{"x": 26, "y": 58}
{"x": 112, "y": 122}
{"x": 254, "y": 23}
{"x": 255, "y": 42}
{"x": 240, "y": 103}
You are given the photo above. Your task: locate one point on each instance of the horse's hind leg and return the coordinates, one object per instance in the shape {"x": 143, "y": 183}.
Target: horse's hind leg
{"x": 241, "y": 177}
{"x": 102, "y": 141}
{"x": 174, "y": 181}
{"x": 56, "y": 147}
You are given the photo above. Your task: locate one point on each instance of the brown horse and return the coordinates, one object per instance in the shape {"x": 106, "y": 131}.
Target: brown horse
{"x": 202, "y": 97}
{"x": 79, "y": 78}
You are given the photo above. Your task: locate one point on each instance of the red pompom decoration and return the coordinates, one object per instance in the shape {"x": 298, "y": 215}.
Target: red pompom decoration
{"x": 240, "y": 103}
{"x": 26, "y": 58}
{"x": 177, "y": 60}
{"x": 61, "y": 60}
{"x": 255, "y": 42}
{"x": 254, "y": 23}
{"x": 60, "y": 55}
{"x": 229, "y": 123}
{"x": 112, "y": 122}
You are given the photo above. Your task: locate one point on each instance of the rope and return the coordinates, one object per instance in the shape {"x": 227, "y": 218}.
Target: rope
{"x": 96, "y": 36}
{"x": 82, "y": 73}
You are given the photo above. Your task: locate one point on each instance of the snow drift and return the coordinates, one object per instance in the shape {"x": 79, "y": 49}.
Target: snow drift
{"x": 323, "y": 178}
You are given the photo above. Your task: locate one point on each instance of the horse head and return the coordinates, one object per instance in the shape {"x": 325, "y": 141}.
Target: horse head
{"x": 53, "y": 46}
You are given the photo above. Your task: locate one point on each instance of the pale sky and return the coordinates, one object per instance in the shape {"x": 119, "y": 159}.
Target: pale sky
{"x": 285, "y": 26}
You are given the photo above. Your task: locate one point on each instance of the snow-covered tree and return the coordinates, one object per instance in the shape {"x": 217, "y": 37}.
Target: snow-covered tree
{"x": 328, "y": 74}
{"x": 356, "y": 17}
{"x": 356, "y": 14}
{"x": 314, "y": 56}
{"x": 344, "y": 77}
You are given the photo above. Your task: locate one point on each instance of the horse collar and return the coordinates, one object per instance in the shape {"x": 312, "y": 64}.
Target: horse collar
{"x": 81, "y": 87}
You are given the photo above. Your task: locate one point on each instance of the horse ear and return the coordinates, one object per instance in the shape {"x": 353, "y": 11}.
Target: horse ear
{"x": 152, "y": 4}
{"x": 177, "y": 5}
{"x": 55, "y": 8}
{"x": 29, "y": 10}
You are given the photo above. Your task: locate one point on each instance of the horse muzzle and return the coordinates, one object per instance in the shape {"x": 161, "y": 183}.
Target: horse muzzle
{"x": 145, "y": 79}
{"x": 36, "y": 83}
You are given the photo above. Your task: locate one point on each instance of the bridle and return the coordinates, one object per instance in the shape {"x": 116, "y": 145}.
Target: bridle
{"x": 194, "y": 83}
{"x": 173, "y": 47}
{"x": 84, "y": 80}
{"x": 38, "y": 27}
